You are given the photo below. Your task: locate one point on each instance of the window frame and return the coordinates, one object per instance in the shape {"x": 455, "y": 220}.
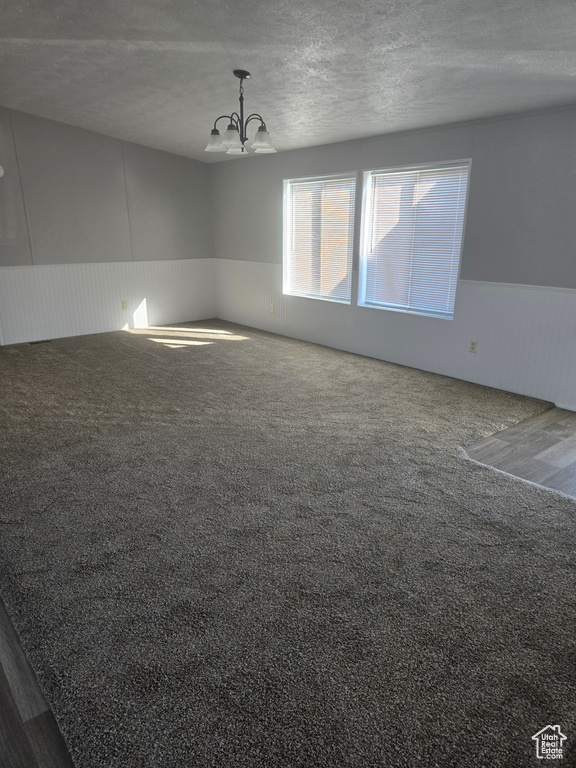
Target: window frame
{"x": 287, "y": 234}
{"x": 366, "y": 231}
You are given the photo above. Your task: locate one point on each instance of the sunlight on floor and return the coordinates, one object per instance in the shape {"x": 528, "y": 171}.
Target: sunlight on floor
{"x": 181, "y": 336}
{"x": 185, "y": 329}
{"x": 180, "y": 342}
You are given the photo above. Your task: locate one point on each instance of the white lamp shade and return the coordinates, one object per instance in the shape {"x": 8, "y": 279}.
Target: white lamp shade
{"x": 231, "y": 138}
{"x": 262, "y": 143}
{"x": 236, "y": 151}
{"x": 215, "y": 142}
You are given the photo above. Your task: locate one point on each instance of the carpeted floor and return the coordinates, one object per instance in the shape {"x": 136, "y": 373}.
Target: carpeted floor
{"x": 234, "y": 549}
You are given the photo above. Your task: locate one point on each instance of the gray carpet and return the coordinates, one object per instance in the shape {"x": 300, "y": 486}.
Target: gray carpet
{"x": 257, "y": 552}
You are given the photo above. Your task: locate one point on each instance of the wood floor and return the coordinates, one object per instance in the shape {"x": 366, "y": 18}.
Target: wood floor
{"x": 29, "y": 735}
{"x": 541, "y": 449}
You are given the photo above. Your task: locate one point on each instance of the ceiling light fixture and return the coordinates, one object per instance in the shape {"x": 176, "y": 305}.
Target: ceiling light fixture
{"x": 235, "y": 137}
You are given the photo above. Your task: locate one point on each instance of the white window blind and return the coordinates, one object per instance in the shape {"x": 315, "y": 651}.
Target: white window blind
{"x": 413, "y": 222}
{"x": 318, "y": 237}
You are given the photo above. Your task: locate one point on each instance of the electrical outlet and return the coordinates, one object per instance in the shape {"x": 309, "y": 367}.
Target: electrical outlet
{"x": 272, "y": 308}
{"x": 124, "y": 304}
{"x": 473, "y": 346}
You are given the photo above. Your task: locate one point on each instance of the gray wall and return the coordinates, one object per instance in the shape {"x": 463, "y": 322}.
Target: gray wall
{"x": 101, "y": 223}
{"x": 71, "y": 196}
{"x": 521, "y": 226}
{"x": 169, "y": 205}
{"x": 517, "y": 298}
{"x": 14, "y": 239}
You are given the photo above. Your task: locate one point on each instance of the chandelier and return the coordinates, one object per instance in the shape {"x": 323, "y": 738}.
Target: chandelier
{"x": 234, "y": 140}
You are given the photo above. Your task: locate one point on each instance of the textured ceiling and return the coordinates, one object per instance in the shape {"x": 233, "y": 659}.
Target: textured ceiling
{"x": 158, "y": 72}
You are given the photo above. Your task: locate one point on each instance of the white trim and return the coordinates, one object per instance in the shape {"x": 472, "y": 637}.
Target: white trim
{"x": 565, "y": 407}
{"x": 322, "y": 177}
{"x": 56, "y": 300}
{"x": 95, "y": 264}
{"x": 435, "y": 166}
{"x": 525, "y": 338}
{"x": 442, "y": 286}
{"x": 521, "y": 286}
{"x": 292, "y": 272}
{"x": 464, "y": 455}
{"x": 465, "y": 281}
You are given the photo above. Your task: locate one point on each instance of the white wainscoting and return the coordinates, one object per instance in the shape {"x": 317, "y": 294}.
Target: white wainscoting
{"x": 48, "y": 302}
{"x": 526, "y": 336}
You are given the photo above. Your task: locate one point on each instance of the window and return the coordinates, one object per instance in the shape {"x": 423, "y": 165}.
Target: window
{"x": 318, "y": 237}
{"x": 412, "y": 231}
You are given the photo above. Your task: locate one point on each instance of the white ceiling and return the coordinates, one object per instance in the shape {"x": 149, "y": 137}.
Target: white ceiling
{"x": 158, "y": 72}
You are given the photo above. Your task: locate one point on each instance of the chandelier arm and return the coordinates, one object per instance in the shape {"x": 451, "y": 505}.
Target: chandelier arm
{"x": 237, "y": 120}
{"x": 233, "y": 118}
{"x": 228, "y": 117}
{"x": 255, "y": 116}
